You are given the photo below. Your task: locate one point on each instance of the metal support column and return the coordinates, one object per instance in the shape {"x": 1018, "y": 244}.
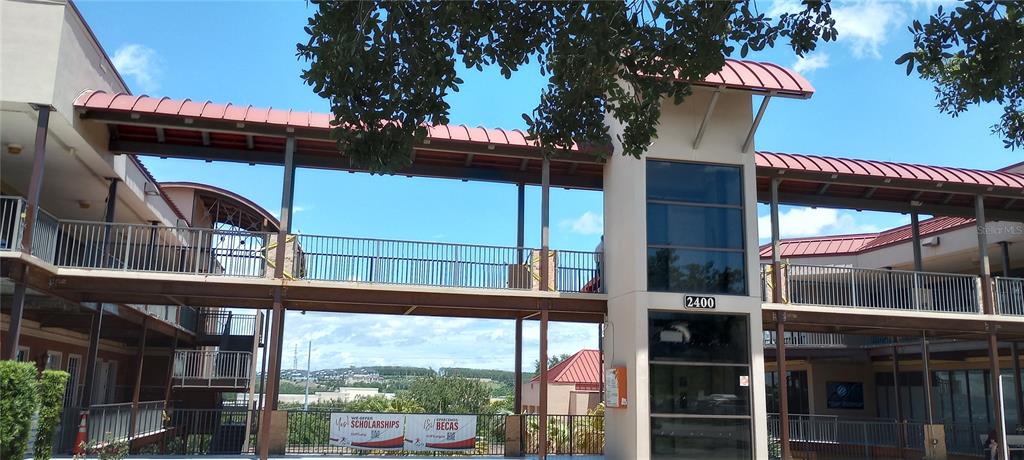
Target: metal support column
{"x": 926, "y": 379}
{"x": 35, "y": 186}
{"x": 108, "y": 218}
{"x": 287, "y": 200}
{"x": 140, "y": 358}
{"x": 542, "y": 412}
{"x": 520, "y": 221}
{"x": 545, "y": 207}
{"x": 985, "y": 270}
{"x": 915, "y": 237}
{"x": 170, "y": 370}
{"x": 1017, "y": 390}
{"x": 518, "y": 401}
{"x": 776, "y": 274}
{"x": 997, "y": 394}
{"x": 902, "y": 428}
{"x": 274, "y": 369}
{"x": 780, "y": 358}
{"x": 1005, "y": 246}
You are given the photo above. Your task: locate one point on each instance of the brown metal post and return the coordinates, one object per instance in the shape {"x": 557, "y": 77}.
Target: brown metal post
{"x": 997, "y": 394}
{"x": 108, "y": 217}
{"x": 926, "y": 376}
{"x": 776, "y": 248}
{"x": 518, "y": 398}
{"x": 1018, "y": 391}
{"x": 520, "y": 221}
{"x": 271, "y": 389}
{"x": 901, "y": 432}
{"x": 170, "y": 370}
{"x": 780, "y": 357}
{"x": 35, "y": 186}
{"x": 140, "y": 358}
{"x": 542, "y": 412}
{"x": 915, "y": 238}
{"x": 95, "y": 331}
{"x": 1005, "y": 250}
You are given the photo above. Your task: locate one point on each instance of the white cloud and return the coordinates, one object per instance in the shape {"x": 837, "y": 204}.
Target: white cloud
{"x": 589, "y": 223}
{"x": 811, "y": 62}
{"x": 140, "y": 63}
{"x": 865, "y": 25}
{"x": 801, "y": 222}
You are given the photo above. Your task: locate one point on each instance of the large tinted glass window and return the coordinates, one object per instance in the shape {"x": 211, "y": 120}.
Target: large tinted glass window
{"x": 699, "y": 385}
{"x": 695, "y": 234}
{"x": 694, "y": 183}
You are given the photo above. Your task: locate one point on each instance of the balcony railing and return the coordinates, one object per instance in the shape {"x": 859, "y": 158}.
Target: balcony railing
{"x": 877, "y": 288}
{"x": 138, "y": 247}
{"x": 174, "y": 314}
{"x": 806, "y": 339}
{"x": 219, "y": 322}
{"x": 333, "y": 258}
{"x": 12, "y": 224}
{"x": 1010, "y": 296}
{"x": 212, "y": 369}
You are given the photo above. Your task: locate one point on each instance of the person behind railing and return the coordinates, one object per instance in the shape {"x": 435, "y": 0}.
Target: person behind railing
{"x": 992, "y": 445}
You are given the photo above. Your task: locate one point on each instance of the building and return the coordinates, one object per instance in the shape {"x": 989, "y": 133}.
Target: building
{"x": 574, "y": 386}
{"x": 682, "y": 289}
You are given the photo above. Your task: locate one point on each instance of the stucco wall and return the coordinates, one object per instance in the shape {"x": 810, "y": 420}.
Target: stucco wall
{"x": 626, "y": 248}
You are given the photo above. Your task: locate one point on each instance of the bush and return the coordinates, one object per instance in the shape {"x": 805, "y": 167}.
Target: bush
{"x": 51, "y": 399}
{"x": 18, "y": 404}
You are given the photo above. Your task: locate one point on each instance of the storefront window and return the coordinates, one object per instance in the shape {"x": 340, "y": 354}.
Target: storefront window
{"x": 699, "y": 386}
{"x": 695, "y": 237}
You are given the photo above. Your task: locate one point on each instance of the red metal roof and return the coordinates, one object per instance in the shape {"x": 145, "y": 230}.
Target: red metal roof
{"x": 91, "y": 99}
{"x": 583, "y": 367}
{"x": 839, "y": 245}
{"x": 888, "y": 169}
{"x": 759, "y": 77}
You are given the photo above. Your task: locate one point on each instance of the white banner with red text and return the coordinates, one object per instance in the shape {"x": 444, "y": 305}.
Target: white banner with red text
{"x": 368, "y": 431}
{"x": 440, "y": 433}
{"x": 408, "y": 432}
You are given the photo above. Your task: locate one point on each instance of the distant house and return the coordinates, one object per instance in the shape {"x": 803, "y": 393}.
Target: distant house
{"x": 574, "y": 385}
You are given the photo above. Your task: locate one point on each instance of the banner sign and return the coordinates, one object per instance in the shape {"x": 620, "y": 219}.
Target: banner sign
{"x": 440, "y": 433}
{"x": 368, "y": 431}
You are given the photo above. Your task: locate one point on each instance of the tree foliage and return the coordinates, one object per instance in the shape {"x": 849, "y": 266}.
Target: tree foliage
{"x": 975, "y": 53}
{"x": 51, "y": 401}
{"x": 387, "y": 67}
{"x": 18, "y": 403}
{"x": 450, "y": 394}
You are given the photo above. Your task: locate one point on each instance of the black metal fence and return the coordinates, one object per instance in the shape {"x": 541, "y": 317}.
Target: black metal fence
{"x": 567, "y": 434}
{"x": 309, "y": 433}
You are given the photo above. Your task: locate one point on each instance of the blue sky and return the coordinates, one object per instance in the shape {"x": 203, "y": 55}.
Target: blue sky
{"x": 244, "y": 53}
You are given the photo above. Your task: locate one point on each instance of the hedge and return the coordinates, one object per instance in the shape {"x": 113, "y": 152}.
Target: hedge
{"x": 17, "y": 406}
{"x": 51, "y": 401}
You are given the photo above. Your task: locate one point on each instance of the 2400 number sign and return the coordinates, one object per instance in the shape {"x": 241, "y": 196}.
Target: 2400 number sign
{"x": 699, "y": 301}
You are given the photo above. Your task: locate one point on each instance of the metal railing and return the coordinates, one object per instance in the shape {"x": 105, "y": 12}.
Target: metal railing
{"x": 12, "y": 226}
{"x": 212, "y": 369}
{"x": 209, "y": 431}
{"x": 220, "y": 322}
{"x": 309, "y": 433}
{"x": 112, "y": 422}
{"x": 1010, "y": 296}
{"x": 806, "y": 339}
{"x": 882, "y": 289}
{"x": 138, "y": 247}
{"x": 567, "y": 434}
{"x": 173, "y": 314}
{"x": 365, "y": 260}
{"x": 829, "y": 437}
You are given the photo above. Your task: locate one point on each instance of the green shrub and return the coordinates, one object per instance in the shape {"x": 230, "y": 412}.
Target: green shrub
{"x": 51, "y": 399}
{"x": 17, "y": 405}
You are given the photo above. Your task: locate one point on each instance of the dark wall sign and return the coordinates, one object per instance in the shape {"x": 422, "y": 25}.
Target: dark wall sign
{"x": 845, "y": 395}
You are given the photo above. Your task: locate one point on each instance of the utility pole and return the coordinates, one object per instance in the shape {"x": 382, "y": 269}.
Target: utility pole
{"x": 309, "y": 355}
